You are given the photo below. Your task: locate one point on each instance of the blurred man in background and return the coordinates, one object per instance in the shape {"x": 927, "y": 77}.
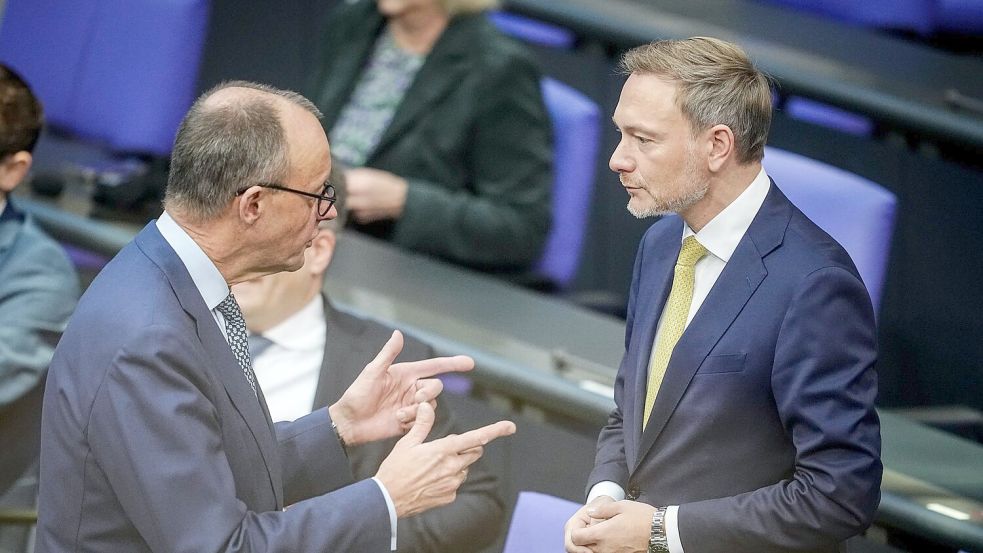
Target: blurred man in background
{"x": 38, "y": 291}
{"x": 38, "y": 285}
{"x": 306, "y": 353}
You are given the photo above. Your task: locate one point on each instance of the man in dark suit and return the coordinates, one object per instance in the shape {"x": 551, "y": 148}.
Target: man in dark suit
{"x": 744, "y": 417}
{"x": 305, "y": 351}
{"x": 155, "y": 436}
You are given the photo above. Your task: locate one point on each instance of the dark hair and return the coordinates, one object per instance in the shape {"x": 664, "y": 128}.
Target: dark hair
{"x": 21, "y": 116}
{"x": 219, "y": 148}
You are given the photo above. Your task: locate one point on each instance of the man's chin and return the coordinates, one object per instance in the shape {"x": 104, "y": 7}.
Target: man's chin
{"x": 644, "y": 211}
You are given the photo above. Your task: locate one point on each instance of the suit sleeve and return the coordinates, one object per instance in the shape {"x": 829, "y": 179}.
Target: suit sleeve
{"x": 610, "y": 463}
{"x": 38, "y": 291}
{"x": 312, "y": 458}
{"x": 155, "y": 434}
{"x": 824, "y": 387}
{"x": 502, "y": 218}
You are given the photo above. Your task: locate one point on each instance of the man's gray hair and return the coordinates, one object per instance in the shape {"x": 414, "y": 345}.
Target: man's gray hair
{"x": 717, "y": 85}
{"x": 224, "y": 147}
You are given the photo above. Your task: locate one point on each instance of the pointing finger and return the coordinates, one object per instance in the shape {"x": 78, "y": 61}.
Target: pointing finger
{"x": 428, "y": 368}
{"x": 480, "y": 436}
{"x": 386, "y": 355}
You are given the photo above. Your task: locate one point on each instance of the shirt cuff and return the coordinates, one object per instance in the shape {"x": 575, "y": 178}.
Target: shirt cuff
{"x": 672, "y": 529}
{"x": 606, "y": 487}
{"x": 392, "y": 513}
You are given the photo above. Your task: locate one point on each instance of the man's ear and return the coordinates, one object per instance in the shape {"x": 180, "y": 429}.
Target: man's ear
{"x": 722, "y": 146}
{"x": 13, "y": 169}
{"x": 322, "y": 251}
{"x": 249, "y": 206}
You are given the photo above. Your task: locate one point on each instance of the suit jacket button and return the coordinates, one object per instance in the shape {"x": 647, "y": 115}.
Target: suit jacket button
{"x": 633, "y": 494}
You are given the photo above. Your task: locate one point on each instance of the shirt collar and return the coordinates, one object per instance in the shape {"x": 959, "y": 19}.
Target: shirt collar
{"x": 302, "y": 330}
{"x": 722, "y": 234}
{"x": 206, "y": 276}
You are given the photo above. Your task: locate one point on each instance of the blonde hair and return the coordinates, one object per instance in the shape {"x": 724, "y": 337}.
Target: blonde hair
{"x": 455, "y": 7}
{"x": 716, "y": 85}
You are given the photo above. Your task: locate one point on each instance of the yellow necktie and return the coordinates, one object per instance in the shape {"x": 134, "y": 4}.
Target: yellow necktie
{"x": 676, "y": 309}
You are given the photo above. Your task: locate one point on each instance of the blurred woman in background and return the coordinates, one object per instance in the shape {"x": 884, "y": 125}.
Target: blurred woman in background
{"x": 441, "y": 120}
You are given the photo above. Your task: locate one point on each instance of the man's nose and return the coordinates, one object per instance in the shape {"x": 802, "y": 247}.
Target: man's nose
{"x": 331, "y": 214}
{"x": 620, "y": 162}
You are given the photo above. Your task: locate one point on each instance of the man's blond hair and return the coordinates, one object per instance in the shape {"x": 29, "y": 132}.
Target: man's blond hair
{"x": 716, "y": 85}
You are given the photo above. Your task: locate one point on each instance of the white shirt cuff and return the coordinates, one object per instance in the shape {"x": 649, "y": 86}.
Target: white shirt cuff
{"x": 672, "y": 529}
{"x": 606, "y": 487}
{"x": 392, "y": 513}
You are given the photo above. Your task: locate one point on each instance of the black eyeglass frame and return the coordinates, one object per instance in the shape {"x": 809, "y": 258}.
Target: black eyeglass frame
{"x": 327, "y": 195}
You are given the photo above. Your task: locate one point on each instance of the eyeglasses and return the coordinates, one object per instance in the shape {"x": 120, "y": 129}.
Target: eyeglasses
{"x": 325, "y": 199}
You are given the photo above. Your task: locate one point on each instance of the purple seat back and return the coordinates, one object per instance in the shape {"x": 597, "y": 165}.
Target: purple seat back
{"x": 533, "y": 31}
{"x": 910, "y": 15}
{"x": 46, "y": 41}
{"x": 576, "y": 121}
{"x": 962, "y": 16}
{"x": 537, "y": 523}
{"x": 858, "y": 213}
{"x": 120, "y": 72}
{"x": 829, "y": 116}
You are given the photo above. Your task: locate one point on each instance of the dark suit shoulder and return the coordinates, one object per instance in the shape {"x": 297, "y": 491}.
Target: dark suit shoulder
{"x": 813, "y": 248}
{"x": 372, "y": 331}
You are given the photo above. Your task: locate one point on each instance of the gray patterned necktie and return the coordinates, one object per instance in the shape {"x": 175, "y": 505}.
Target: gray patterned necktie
{"x": 235, "y": 327}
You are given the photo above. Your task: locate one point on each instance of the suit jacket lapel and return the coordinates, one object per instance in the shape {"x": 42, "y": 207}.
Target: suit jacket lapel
{"x": 740, "y": 278}
{"x": 651, "y": 299}
{"x": 445, "y": 68}
{"x": 223, "y": 362}
{"x": 338, "y": 79}
{"x": 342, "y": 351}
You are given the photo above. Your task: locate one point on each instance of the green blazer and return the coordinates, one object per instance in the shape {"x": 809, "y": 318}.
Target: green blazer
{"x": 471, "y": 136}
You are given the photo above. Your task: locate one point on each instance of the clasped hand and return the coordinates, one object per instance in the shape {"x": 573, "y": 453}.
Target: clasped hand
{"x": 374, "y": 195}
{"x": 608, "y": 526}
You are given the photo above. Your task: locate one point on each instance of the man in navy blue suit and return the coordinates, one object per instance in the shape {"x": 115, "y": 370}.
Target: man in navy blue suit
{"x": 155, "y": 436}
{"x": 744, "y": 418}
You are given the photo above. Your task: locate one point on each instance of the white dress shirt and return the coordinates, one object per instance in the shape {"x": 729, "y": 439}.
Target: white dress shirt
{"x": 288, "y": 369}
{"x": 720, "y": 237}
{"x": 206, "y": 276}
{"x": 213, "y": 289}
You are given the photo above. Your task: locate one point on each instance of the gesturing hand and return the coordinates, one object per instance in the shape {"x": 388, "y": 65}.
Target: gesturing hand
{"x": 382, "y": 401}
{"x": 420, "y": 476}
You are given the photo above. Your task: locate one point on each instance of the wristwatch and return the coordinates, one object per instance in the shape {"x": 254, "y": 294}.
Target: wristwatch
{"x": 657, "y": 538}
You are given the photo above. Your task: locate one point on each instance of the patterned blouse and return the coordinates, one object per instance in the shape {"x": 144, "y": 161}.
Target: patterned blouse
{"x": 383, "y": 84}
